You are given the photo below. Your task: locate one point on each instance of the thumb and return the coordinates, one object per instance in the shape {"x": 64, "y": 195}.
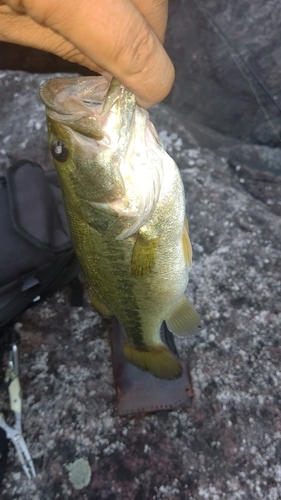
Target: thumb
{"x": 115, "y": 36}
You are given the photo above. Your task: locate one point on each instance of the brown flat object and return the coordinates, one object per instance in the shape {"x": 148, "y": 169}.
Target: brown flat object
{"x": 140, "y": 392}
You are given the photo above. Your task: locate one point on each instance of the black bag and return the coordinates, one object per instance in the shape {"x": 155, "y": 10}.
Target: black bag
{"x": 36, "y": 256}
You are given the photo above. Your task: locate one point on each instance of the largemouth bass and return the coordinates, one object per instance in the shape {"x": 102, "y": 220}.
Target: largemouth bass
{"x": 125, "y": 205}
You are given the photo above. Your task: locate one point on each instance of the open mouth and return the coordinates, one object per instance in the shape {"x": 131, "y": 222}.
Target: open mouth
{"x": 74, "y": 96}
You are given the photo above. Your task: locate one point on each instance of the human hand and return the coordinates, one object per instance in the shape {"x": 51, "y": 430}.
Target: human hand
{"x": 113, "y": 37}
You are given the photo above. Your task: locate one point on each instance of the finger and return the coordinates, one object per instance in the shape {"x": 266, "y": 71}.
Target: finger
{"x": 156, "y": 14}
{"x": 22, "y": 30}
{"x": 154, "y": 11}
{"x": 114, "y": 35}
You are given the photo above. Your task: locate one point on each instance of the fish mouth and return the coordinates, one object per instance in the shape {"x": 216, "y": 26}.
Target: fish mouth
{"x": 81, "y": 103}
{"x": 75, "y": 95}
{"x": 77, "y": 102}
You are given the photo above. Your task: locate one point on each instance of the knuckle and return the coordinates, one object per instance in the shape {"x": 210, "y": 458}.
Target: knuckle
{"x": 16, "y": 5}
{"x": 138, "y": 50}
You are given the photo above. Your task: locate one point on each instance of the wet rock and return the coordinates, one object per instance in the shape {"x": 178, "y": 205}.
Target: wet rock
{"x": 226, "y": 444}
{"x": 22, "y": 121}
{"x": 258, "y": 169}
{"x": 264, "y": 186}
{"x": 255, "y": 157}
{"x": 213, "y": 86}
{"x": 269, "y": 133}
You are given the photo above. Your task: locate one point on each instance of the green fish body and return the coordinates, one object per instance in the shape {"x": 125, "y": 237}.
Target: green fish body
{"x": 125, "y": 205}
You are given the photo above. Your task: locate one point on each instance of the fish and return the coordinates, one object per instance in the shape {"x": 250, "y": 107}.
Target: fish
{"x": 125, "y": 204}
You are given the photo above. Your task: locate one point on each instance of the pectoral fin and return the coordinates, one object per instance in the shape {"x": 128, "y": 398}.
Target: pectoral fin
{"x": 99, "y": 306}
{"x": 143, "y": 256}
{"x": 183, "y": 320}
{"x": 155, "y": 359}
{"x": 186, "y": 245}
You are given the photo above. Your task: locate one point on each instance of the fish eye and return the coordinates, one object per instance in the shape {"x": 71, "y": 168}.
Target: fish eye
{"x": 59, "y": 151}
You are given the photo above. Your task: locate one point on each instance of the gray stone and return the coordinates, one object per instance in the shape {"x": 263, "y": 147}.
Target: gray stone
{"x": 213, "y": 87}
{"x": 258, "y": 169}
{"x": 255, "y": 157}
{"x": 23, "y": 129}
{"x": 226, "y": 444}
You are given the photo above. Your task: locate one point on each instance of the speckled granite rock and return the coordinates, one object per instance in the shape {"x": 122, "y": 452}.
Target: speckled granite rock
{"x": 226, "y": 444}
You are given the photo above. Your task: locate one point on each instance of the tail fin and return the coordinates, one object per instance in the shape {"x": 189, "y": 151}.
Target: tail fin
{"x": 155, "y": 359}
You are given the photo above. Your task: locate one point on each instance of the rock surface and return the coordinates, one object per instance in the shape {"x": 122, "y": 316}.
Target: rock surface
{"x": 213, "y": 86}
{"x": 226, "y": 443}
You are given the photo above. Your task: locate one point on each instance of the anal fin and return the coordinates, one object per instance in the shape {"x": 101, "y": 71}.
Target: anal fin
{"x": 158, "y": 360}
{"x": 99, "y": 305}
{"x": 183, "y": 320}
